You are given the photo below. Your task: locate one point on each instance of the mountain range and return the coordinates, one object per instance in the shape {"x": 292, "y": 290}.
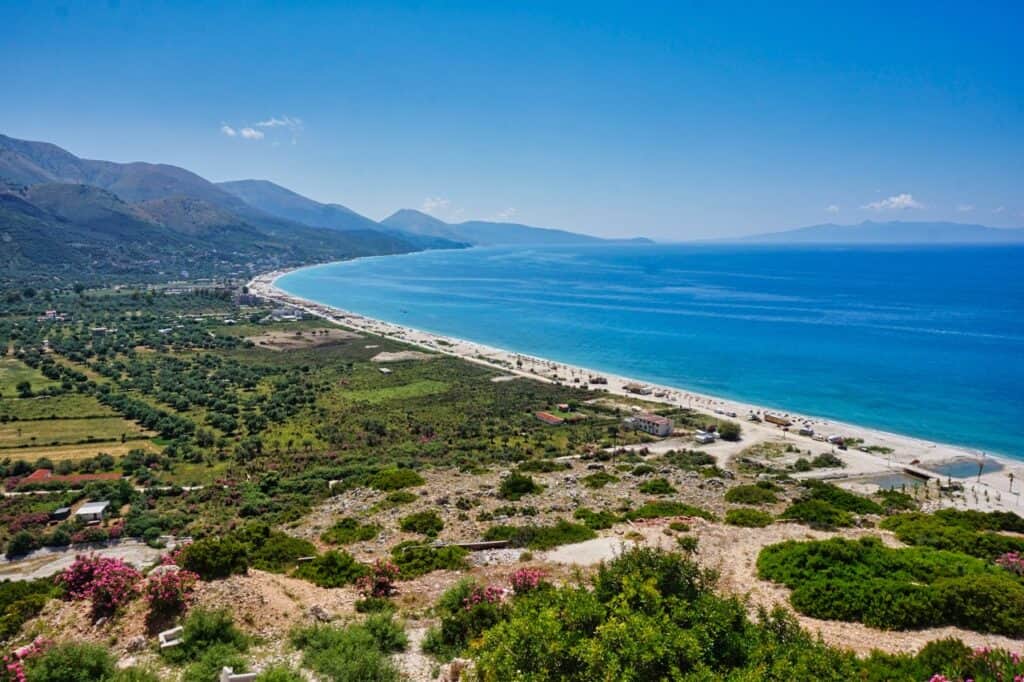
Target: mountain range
{"x": 65, "y": 216}
{"x": 892, "y": 232}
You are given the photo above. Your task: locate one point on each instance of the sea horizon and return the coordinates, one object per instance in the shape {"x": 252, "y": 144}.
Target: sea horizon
{"x": 815, "y": 340}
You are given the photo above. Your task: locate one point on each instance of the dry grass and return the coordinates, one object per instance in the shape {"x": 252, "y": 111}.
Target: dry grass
{"x": 298, "y": 340}
{"x": 57, "y": 453}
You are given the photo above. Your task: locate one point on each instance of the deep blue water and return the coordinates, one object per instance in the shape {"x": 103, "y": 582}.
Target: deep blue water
{"x": 923, "y": 341}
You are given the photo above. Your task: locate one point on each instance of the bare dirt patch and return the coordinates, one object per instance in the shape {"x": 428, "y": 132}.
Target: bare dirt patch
{"x": 401, "y": 356}
{"x": 298, "y": 340}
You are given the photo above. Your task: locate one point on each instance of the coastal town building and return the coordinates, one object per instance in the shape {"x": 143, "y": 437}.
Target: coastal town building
{"x": 654, "y": 424}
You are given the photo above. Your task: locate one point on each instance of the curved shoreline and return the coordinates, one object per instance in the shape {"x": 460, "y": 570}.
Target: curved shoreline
{"x": 909, "y": 452}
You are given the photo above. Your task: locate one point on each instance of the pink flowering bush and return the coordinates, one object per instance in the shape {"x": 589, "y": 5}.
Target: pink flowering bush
{"x": 380, "y": 581}
{"x": 14, "y": 663}
{"x": 526, "y": 580}
{"x": 986, "y": 664}
{"x": 492, "y": 594}
{"x": 170, "y": 592}
{"x": 1013, "y": 562}
{"x": 107, "y": 583}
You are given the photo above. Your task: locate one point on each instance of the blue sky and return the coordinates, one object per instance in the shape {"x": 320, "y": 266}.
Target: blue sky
{"x": 674, "y": 120}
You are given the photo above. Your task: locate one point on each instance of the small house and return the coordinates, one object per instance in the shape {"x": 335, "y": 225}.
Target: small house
{"x": 60, "y": 514}
{"x": 92, "y": 512}
{"x": 654, "y": 424}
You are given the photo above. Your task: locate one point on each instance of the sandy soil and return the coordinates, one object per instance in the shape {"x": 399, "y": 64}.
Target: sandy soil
{"x": 401, "y": 356}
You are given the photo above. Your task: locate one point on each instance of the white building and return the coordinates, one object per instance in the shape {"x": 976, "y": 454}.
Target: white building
{"x": 92, "y": 511}
{"x": 654, "y": 424}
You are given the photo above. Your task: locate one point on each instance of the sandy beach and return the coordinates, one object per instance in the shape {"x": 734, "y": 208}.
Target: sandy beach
{"x": 997, "y": 488}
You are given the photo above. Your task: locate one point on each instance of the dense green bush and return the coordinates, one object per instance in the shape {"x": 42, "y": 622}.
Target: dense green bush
{"x": 730, "y": 431}
{"x": 596, "y": 520}
{"x": 395, "y": 479}
{"x": 662, "y": 508}
{"x": 349, "y": 530}
{"x": 71, "y": 662}
{"x": 541, "y": 537}
{"x": 347, "y": 653}
{"x": 895, "y": 588}
{"x": 21, "y": 600}
{"x": 541, "y": 466}
{"x": 841, "y": 499}
{"x": 205, "y": 630}
{"x": 464, "y": 615}
{"x": 760, "y": 493}
{"x": 213, "y": 558}
{"x": 415, "y": 559}
{"x": 657, "y": 486}
{"x": 598, "y": 479}
{"x": 279, "y": 551}
{"x": 426, "y": 522}
{"x": 331, "y": 569}
{"x": 516, "y": 485}
{"x": 280, "y": 673}
{"x": 971, "y": 533}
{"x": 748, "y": 518}
{"x": 818, "y": 514}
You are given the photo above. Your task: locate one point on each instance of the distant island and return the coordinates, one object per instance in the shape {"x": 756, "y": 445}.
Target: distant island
{"x": 892, "y": 232}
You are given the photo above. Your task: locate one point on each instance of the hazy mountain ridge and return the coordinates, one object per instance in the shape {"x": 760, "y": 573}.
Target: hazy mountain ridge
{"x": 485, "y": 233}
{"x": 892, "y": 232}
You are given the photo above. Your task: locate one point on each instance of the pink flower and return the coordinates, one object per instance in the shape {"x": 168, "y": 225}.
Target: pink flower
{"x": 526, "y": 579}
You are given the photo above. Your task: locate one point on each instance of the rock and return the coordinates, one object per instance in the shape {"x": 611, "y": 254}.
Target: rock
{"x": 318, "y": 612}
{"x": 452, "y": 672}
{"x": 135, "y": 644}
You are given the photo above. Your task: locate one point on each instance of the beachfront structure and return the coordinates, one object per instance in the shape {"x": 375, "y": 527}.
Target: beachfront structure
{"x": 638, "y": 389}
{"x": 776, "y": 419}
{"x": 703, "y": 437}
{"x": 92, "y": 512}
{"x": 654, "y": 424}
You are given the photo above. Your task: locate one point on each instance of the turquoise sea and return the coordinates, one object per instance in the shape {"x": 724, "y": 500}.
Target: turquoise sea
{"x": 927, "y": 342}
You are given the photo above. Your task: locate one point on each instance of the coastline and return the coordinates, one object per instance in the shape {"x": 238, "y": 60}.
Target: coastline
{"x": 992, "y": 490}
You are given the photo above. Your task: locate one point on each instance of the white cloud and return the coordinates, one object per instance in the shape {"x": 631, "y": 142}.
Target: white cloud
{"x": 999, "y": 209}
{"x": 290, "y": 122}
{"x": 228, "y": 130}
{"x": 505, "y": 215}
{"x": 898, "y": 202}
{"x": 251, "y": 134}
{"x": 435, "y": 204}
{"x": 965, "y": 208}
{"x": 832, "y": 208}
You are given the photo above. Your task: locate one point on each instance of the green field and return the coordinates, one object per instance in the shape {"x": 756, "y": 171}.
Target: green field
{"x": 416, "y": 389}
{"x": 69, "y": 406}
{"x": 13, "y": 372}
{"x": 66, "y": 431}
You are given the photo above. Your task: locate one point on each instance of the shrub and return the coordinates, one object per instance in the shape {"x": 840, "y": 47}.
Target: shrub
{"x": 395, "y": 479}
{"x": 414, "y": 559}
{"x": 425, "y": 522}
{"x": 541, "y": 537}
{"x": 170, "y": 591}
{"x": 280, "y": 673}
{"x": 730, "y": 431}
{"x": 71, "y": 662}
{"x": 379, "y": 582}
{"x": 389, "y": 635}
{"x": 895, "y": 588}
{"x": 657, "y": 486}
{"x": 689, "y": 459}
{"x": 107, "y": 583}
{"x": 598, "y": 479}
{"x": 970, "y": 534}
{"x": 349, "y": 530}
{"x": 515, "y": 485}
{"x": 466, "y": 610}
{"x": 399, "y": 497}
{"x": 279, "y": 551}
{"x": 826, "y": 460}
{"x": 595, "y": 520}
{"x": 817, "y": 514}
{"x": 213, "y": 558}
{"x": 750, "y": 494}
{"x": 748, "y": 518}
{"x": 22, "y": 543}
{"x": 643, "y": 470}
{"x": 21, "y": 600}
{"x": 349, "y": 653}
{"x": 541, "y": 466}
{"x": 332, "y": 569}
{"x": 663, "y": 508}
{"x": 526, "y": 580}
{"x": 205, "y": 630}
{"x": 208, "y": 665}
{"x": 373, "y": 605}
{"x": 841, "y": 499}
